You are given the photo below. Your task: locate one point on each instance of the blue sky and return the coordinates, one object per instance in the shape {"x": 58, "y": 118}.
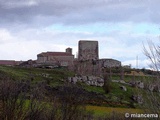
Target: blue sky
{"x": 143, "y": 28}
{"x": 30, "y": 27}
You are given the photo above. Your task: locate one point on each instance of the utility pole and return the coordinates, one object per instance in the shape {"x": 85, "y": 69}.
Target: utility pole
{"x": 137, "y": 61}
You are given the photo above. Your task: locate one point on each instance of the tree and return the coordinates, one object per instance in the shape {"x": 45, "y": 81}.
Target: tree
{"x": 152, "y": 52}
{"x": 12, "y": 107}
{"x": 151, "y": 101}
{"x": 18, "y": 101}
{"x": 71, "y": 102}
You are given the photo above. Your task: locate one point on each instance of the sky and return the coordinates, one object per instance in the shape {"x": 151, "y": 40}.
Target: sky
{"x": 29, "y": 27}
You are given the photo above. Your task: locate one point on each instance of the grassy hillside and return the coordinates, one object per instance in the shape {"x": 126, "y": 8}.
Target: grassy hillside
{"x": 95, "y": 98}
{"x": 54, "y": 78}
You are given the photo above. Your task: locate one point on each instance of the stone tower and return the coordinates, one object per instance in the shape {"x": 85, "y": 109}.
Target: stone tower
{"x": 88, "y": 50}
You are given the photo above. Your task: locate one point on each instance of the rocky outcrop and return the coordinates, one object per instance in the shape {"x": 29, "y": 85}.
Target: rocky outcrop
{"x": 123, "y": 88}
{"x": 138, "y": 98}
{"x": 89, "y": 80}
{"x": 137, "y": 83}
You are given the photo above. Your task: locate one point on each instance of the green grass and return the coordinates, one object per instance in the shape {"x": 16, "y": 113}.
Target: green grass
{"x": 56, "y": 77}
{"x": 19, "y": 73}
{"x": 102, "y": 111}
{"x": 117, "y": 92}
{"x": 93, "y": 88}
{"x": 117, "y": 100}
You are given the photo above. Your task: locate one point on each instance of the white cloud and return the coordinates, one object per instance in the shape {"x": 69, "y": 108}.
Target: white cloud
{"x": 137, "y": 63}
{"x": 30, "y": 27}
{"x": 19, "y": 4}
{"x": 27, "y": 43}
{"x": 5, "y": 36}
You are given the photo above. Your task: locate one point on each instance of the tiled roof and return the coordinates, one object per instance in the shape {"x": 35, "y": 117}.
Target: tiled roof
{"x": 54, "y": 54}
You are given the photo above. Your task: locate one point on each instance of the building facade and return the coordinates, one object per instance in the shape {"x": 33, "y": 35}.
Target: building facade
{"x": 56, "y": 58}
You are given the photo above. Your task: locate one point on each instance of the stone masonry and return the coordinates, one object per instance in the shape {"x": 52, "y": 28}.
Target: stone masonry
{"x": 88, "y": 50}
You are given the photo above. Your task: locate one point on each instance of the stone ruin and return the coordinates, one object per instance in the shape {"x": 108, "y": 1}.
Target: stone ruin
{"x": 88, "y": 62}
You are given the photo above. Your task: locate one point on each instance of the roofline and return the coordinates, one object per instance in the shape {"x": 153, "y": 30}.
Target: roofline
{"x": 109, "y": 59}
{"x": 88, "y": 40}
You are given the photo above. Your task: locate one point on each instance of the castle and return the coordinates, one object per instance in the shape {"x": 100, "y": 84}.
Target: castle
{"x": 88, "y": 61}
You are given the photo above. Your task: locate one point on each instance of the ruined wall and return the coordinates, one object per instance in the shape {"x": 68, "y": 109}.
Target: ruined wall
{"x": 110, "y": 63}
{"x": 88, "y": 68}
{"x": 88, "y": 50}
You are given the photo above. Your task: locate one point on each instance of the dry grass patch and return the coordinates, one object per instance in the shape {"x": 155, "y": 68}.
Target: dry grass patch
{"x": 101, "y": 111}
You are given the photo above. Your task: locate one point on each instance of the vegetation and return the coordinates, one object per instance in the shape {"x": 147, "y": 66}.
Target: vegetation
{"x": 36, "y": 93}
{"x": 151, "y": 102}
{"x": 107, "y": 111}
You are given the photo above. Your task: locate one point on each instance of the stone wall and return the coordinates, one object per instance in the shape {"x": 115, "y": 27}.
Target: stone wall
{"x": 56, "y": 58}
{"x": 61, "y": 60}
{"x": 94, "y": 67}
{"x": 110, "y": 63}
{"x": 88, "y": 50}
{"x": 88, "y": 68}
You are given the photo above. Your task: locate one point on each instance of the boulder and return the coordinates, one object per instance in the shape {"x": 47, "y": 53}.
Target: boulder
{"x": 123, "y": 88}
{"x": 84, "y": 78}
{"x": 151, "y": 87}
{"x": 74, "y": 80}
{"x": 122, "y": 81}
{"x": 138, "y": 98}
{"x": 140, "y": 85}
